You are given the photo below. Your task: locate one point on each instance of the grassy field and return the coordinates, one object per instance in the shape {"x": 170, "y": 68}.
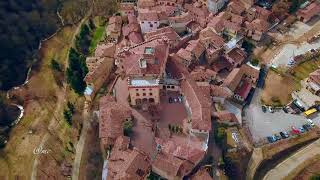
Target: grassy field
{"x": 98, "y": 35}
{"x": 278, "y": 89}
{"x": 16, "y": 159}
{"x": 303, "y": 70}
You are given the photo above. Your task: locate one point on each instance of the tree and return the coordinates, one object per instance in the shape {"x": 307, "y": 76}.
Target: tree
{"x": 248, "y": 46}
{"x": 55, "y": 65}
{"x": 127, "y": 128}
{"x": 220, "y": 135}
{"x": 76, "y": 71}
{"x": 315, "y": 177}
{"x": 67, "y": 116}
{"x": 255, "y": 61}
{"x": 280, "y": 8}
{"x": 71, "y": 107}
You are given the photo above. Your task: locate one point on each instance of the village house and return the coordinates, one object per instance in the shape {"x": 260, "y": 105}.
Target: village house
{"x": 313, "y": 82}
{"x": 201, "y": 74}
{"x": 127, "y": 8}
{"x": 236, "y": 56}
{"x": 221, "y": 64}
{"x": 99, "y": 68}
{"x": 309, "y": 12}
{"x": 215, "y": 5}
{"x": 219, "y": 94}
{"x": 226, "y": 117}
{"x": 198, "y": 103}
{"x": 143, "y": 65}
{"x": 241, "y": 80}
{"x": 199, "y": 14}
{"x": 132, "y": 31}
{"x": 112, "y": 115}
{"x": 146, "y": 4}
{"x": 126, "y": 163}
{"x": 236, "y": 7}
{"x": 114, "y": 28}
{"x": 257, "y": 29}
{"x": 213, "y": 44}
{"x": 148, "y": 20}
{"x": 174, "y": 39}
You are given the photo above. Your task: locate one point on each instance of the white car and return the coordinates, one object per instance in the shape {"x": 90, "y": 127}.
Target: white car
{"x": 271, "y": 109}
{"x": 310, "y": 122}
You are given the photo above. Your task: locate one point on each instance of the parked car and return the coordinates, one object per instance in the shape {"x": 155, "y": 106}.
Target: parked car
{"x": 271, "y": 109}
{"x": 285, "y": 109}
{"x": 264, "y": 108}
{"x": 307, "y": 127}
{"x": 311, "y": 122}
{"x": 175, "y": 100}
{"x": 170, "y": 100}
{"x": 302, "y": 130}
{"x": 180, "y": 99}
{"x": 271, "y": 139}
{"x": 295, "y": 130}
{"x": 277, "y": 137}
{"x": 284, "y": 134}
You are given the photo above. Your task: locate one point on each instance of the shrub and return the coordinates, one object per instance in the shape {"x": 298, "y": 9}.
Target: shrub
{"x": 127, "y": 128}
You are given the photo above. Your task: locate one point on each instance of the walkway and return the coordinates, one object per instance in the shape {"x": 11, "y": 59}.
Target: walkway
{"x": 291, "y": 164}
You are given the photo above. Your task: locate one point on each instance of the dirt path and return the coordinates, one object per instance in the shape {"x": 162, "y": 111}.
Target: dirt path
{"x": 291, "y": 164}
{"x": 80, "y": 145}
{"x": 51, "y": 127}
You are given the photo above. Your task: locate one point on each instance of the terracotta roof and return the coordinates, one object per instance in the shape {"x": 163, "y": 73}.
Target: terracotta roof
{"x": 195, "y": 47}
{"x": 148, "y": 16}
{"x": 135, "y": 37}
{"x": 315, "y": 77}
{"x": 221, "y": 64}
{"x": 111, "y": 118}
{"x": 225, "y": 116}
{"x": 183, "y": 18}
{"x": 236, "y": 55}
{"x": 219, "y": 91}
{"x": 217, "y": 22}
{"x": 202, "y": 74}
{"x": 258, "y": 25}
{"x": 232, "y": 26}
{"x": 262, "y": 12}
{"x": 202, "y": 174}
{"x": 209, "y": 38}
{"x": 171, "y": 166}
{"x": 167, "y": 31}
{"x": 199, "y": 103}
{"x": 126, "y": 6}
{"x": 130, "y": 57}
{"x": 105, "y": 50}
{"x": 185, "y": 55}
{"x": 126, "y": 163}
{"x": 243, "y": 89}
{"x": 237, "y": 18}
{"x": 236, "y": 7}
{"x": 234, "y": 78}
{"x": 146, "y": 3}
{"x": 311, "y": 10}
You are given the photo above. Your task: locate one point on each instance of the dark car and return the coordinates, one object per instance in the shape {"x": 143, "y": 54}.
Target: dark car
{"x": 307, "y": 127}
{"x": 264, "y": 108}
{"x": 284, "y": 135}
{"x": 170, "y": 100}
{"x": 271, "y": 139}
{"x": 285, "y": 109}
{"x": 277, "y": 137}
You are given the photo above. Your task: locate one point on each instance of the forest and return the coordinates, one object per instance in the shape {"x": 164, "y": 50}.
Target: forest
{"x": 23, "y": 24}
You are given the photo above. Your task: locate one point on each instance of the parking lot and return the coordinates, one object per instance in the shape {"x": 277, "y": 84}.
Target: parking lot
{"x": 263, "y": 124}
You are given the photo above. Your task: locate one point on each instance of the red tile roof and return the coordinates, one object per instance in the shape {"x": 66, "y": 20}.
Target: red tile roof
{"x": 202, "y": 74}
{"x": 258, "y": 25}
{"x": 315, "y": 77}
{"x": 130, "y": 57}
{"x": 263, "y": 13}
{"x": 111, "y": 118}
{"x": 236, "y": 7}
{"x": 148, "y": 16}
{"x": 236, "y": 55}
{"x": 219, "y": 91}
{"x": 221, "y": 64}
{"x": 199, "y": 104}
{"x": 202, "y": 174}
{"x": 126, "y": 164}
{"x": 146, "y": 4}
{"x": 310, "y": 11}
{"x": 243, "y": 89}
{"x": 210, "y": 39}
{"x": 195, "y": 47}
{"x": 167, "y": 31}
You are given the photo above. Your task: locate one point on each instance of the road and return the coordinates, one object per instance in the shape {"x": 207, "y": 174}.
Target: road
{"x": 263, "y": 124}
{"x": 80, "y": 145}
{"x": 282, "y": 170}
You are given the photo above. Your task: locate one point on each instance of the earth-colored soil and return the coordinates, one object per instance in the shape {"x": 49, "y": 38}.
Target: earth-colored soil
{"x": 311, "y": 170}
{"x": 40, "y": 97}
{"x": 278, "y": 89}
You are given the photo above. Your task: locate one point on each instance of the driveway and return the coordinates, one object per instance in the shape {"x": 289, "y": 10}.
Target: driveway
{"x": 263, "y": 124}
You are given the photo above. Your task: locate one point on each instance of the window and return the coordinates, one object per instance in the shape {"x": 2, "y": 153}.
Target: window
{"x": 137, "y": 89}
{"x": 168, "y": 86}
{"x": 151, "y": 25}
{"x": 172, "y": 87}
{"x": 143, "y": 89}
{"x": 150, "y": 94}
{"x": 137, "y": 94}
{"x": 143, "y": 94}
{"x": 150, "y": 89}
